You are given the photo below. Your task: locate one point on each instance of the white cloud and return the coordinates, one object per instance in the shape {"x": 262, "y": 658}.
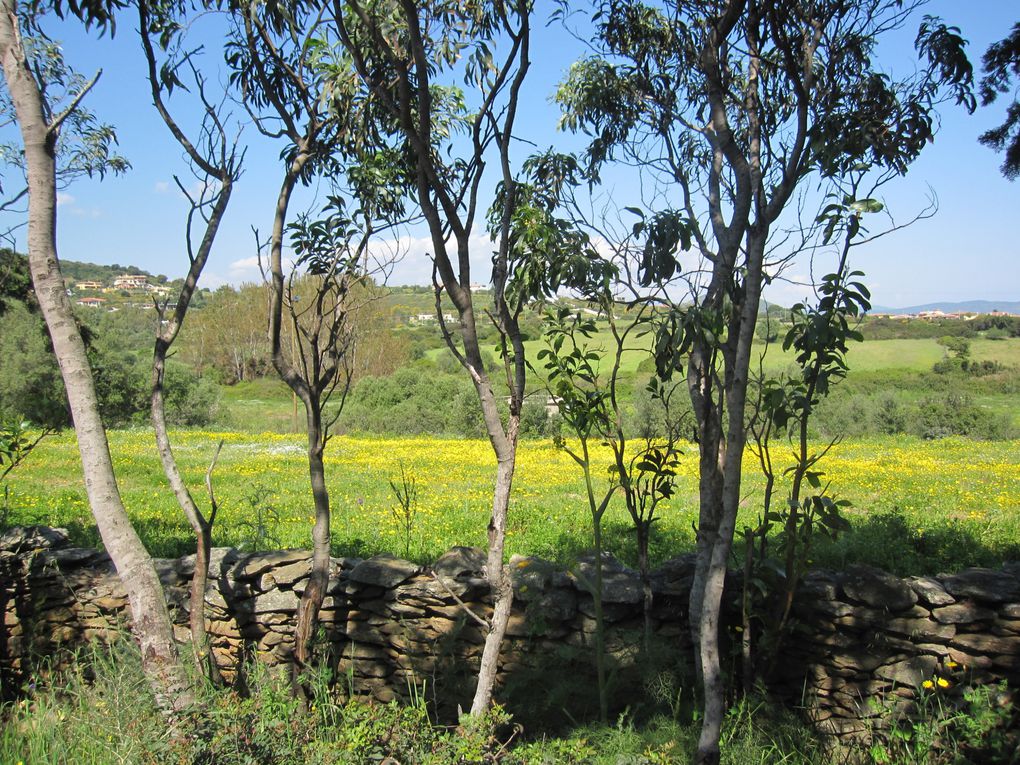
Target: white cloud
{"x": 162, "y": 187}
{"x": 64, "y": 199}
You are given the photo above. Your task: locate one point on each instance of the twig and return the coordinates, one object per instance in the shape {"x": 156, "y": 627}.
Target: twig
{"x": 460, "y": 602}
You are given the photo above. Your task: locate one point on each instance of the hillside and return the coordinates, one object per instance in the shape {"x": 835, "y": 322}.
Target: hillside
{"x": 75, "y": 271}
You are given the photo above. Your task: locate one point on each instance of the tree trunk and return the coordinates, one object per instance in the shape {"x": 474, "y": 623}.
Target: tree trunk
{"x": 205, "y": 663}
{"x": 318, "y": 580}
{"x": 151, "y": 620}
{"x": 643, "y": 533}
{"x": 714, "y": 550}
{"x": 498, "y": 573}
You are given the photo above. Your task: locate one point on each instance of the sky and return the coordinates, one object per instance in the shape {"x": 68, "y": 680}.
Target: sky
{"x": 969, "y": 249}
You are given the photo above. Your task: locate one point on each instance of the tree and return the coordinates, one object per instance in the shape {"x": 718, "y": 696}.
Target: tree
{"x": 47, "y": 117}
{"x": 297, "y": 89}
{"x": 1001, "y": 65}
{"x": 733, "y": 104}
{"x": 217, "y": 165}
{"x": 439, "y": 137}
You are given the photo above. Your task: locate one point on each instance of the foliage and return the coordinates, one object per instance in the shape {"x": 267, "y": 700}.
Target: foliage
{"x": 1001, "y": 65}
{"x": 260, "y": 525}
{"x": 102, "y": 711}
{"x": 952, "y": 723}
{"x": 30, "y": 384}
{"x": 406, "y": 510}
{"x": 15, "y": 281}
{"x": 404, "y": 403}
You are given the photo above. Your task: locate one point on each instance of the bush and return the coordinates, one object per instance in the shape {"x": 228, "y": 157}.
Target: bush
{"x": 30, "y": 384}
{"x": 956, "y": 414}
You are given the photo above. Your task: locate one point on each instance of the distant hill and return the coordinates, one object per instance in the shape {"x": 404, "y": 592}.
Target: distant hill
{"x": 966, "y": 306}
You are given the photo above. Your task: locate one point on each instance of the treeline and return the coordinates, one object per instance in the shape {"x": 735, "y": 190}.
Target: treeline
{"x": 991, "y": 326}
{"x": 401, "y": 369}
{"x": 119, "y": 346}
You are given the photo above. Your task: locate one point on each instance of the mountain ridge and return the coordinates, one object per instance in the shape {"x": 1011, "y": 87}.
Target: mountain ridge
{"x": 962, "y": 306}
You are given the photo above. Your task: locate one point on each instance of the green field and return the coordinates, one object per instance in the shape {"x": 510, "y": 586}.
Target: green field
{"x": 903, "y": 366}
{"x": 918, "y": 505}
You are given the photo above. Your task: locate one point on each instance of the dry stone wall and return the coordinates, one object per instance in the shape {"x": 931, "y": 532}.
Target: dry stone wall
{"x": 392, "y": 625}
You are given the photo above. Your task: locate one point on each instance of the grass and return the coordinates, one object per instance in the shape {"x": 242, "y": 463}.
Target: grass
{"x": 102, "y": 711}
{"x": 918, "y": 506}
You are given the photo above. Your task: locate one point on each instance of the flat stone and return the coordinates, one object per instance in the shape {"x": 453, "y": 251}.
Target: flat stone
{"x": 72, "y": 557}
{"x": 673, "y": 577}
{"x": 255, "y": 564}
{"x": 987, "y": 644}
{"x": 962, "y": 613}
{"x": 860, "y": 659}
{"x": 909, "y": 672}
{"x": 532, "y": 577}
{"x": 984, "y": 584}
{"x": 276, "y": 600}
{"x": 921, "y": 629}
{"x": 385, "y": 571}
{"x": 619, "y": 583}
{"x": 286, "y": 575}
{"x": 930, "y": 591}
{"x": 558, "y": 605}
{"x": 27, "y": 538}
{"x": 461, "y": 562}
{"x": 1010, "y": 611}
{"x": 818, "y": 586}
{"x": 220, "y": 561}
{"x": 877, "y": 588}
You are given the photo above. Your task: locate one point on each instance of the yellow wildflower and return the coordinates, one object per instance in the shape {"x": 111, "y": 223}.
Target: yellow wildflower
{"x": 927, "y": 685}
{"x": 942, "y": 682}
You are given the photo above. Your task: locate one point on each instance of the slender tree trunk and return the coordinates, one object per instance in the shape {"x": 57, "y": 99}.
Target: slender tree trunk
{"x": 600, "y": 620}
{"x": 720, "y": 538}
{"x": 496, "y": 571}
{"x": 315, "y": 591}
{"x": 151, "y": 620}
{"x": 205, "y": 663}
{"x": 643, "y": 531}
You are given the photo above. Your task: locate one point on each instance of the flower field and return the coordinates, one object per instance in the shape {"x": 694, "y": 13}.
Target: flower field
{"x": 917, "y": 505}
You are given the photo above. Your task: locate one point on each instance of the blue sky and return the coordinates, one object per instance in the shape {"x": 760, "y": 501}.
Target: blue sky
{"x": 969, "y": 250}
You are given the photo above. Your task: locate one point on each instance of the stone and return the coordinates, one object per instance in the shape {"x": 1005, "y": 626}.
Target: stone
{"x": 920, "y": 629}
{"x": 987, "y": 644}
{"x": 385, "y": 571}
{"x": 673, "y": 577}
{"x": 930, "y": 591}
{"x": 983, "y": 584}
{"x": 619, "y": 583}
{"x": 962, "y": 613}
{"x": 818, "y": 586}
{"x": 829, "y": 609}
{"x": 253, "y": 565}
{"x": 532, "y": 577}
{"x": 72, "y": 557}
{"x": 18, "y": 539}
{"x": 276, "y": 600}
{"x": 557, "y": 605}
{"x": 461, "y": 562}
{"x": 910, "y": 672}
{"x": 1010, "y": 611}
{"x": 877, "y": 589}
{"x": 286, "y": 575}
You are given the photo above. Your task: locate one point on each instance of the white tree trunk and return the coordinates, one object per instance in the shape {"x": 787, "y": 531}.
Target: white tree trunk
{"x": 151, "y": 621}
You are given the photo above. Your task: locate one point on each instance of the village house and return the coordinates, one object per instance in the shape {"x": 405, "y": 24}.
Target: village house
{"x": 89, "y": 285}
{"x": 131, "y": 282}
{"x": 92, "y": 302}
